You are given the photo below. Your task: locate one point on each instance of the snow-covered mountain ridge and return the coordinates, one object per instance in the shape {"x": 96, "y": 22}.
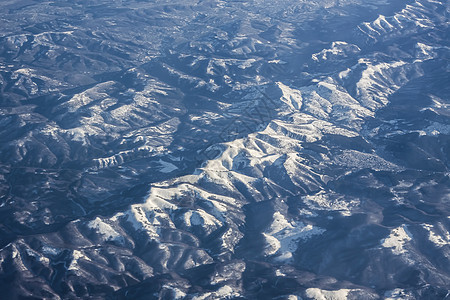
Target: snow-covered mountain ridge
{"x": 250, "y": 157}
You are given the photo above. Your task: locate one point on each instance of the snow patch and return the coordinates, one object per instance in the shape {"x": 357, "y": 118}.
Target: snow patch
{"x": 291, "y": 97}
{"x": 225, "y": 292}
{"x": 397, "y": 294}
{"x": 200, "y": 218}
{"x": 76, "y": 256}
{"x": 37, "y": 256}
{"x": 167, "y": 167}
{"x": 24, "y": 71}
{"x": 368, "y": 87}
{"x": 282, "y": 236}
{"x": 424, "y": 52}
{"x": 440, "y": 239}
{"x": 337, "y": 50}
{"x": 397, "y": 239}
{"x": 50, "y": 251}
{"x": 318, "y": 294}
{"x": 326, "y": 200}
{"x": 361, "y": 160}
{"x": 104, "y": 229}
{"x": 176, "y": 292}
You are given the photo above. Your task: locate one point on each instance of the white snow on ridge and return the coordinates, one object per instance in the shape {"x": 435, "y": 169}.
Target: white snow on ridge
{"x": 415, "y": 15}
{"x": 23, "y": 71}
{"x": 397, "y": 294}
{"x": 260, "y": 149}
{"x": 167, "y": 167}
{"x": 368, "y": 88}
{"x": 282, "y": 236}
{"x": 97, "y": 93}
{"x": 292, "y": 97}
{"x": 76, "y": 256}
{"x": 104, "y": 229}
{"x": 176, "y": 292}
{"x": 308, "y": 114}
{"x": 199, "y": 217}
{"x": 158, "y": 210}
{"x": 439, "y": 236}
{"x": 338, "y": 49}
{"x": 225, "y": 292}
{"x": 50, "y": 251}
{"x": 436, "y": 128}
{"x": 326, "y": 100}
{"x": 424, "y": 52}
{"x": 397, "y": 240}
{"x": 276, "y": 61}
{"x": 318, "y": 294}
{"x": 37, "y": 256}
{"x": 326, "y": 200}
{"x": 140, "y": 222}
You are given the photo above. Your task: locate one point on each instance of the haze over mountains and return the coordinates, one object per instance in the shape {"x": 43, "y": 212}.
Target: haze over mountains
{"x": 224, "y": 149}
